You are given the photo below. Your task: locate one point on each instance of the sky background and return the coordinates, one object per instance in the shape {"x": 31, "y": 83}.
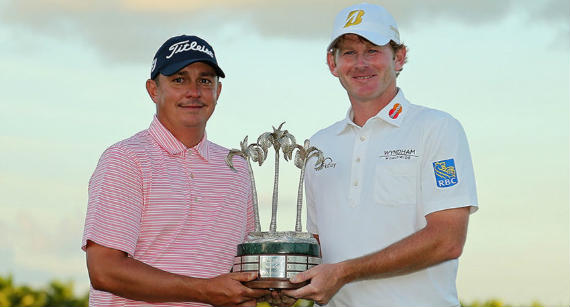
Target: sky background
{"x": 72, "y": 75}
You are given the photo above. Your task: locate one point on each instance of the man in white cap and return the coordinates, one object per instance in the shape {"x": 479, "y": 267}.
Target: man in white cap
{"x": 165, "y": 212}
{"x": 391, "y": 206}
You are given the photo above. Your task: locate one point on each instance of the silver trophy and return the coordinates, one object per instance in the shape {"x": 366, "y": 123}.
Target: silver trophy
{"x": 277, "y": 256}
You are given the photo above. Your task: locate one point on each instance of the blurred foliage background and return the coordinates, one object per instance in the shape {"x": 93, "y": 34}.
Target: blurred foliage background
{"x": 498, "y": 303}
{"x": 58, "y": 293}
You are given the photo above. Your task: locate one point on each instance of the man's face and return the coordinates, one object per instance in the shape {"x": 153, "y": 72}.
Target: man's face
{"x": 187, "y": 98}
{"x": 365, "y": 70}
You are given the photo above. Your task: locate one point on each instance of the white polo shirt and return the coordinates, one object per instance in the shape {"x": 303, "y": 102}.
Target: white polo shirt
{"x": 378, "y": 184}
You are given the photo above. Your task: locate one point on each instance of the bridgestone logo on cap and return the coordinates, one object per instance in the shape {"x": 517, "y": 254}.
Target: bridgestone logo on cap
{"x": 354, "y": 18}
{"x": 184, "y": 46}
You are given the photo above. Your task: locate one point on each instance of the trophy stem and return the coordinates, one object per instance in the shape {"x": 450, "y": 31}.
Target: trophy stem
{"x": 254, "y": 197}
{"x": 298, "y": 226}
{"x": 273, "y": 225}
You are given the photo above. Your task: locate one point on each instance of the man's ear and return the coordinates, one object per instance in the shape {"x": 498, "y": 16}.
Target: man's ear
{"x": 152, "y": 89}
{"x": 219, "y": 90}
{"x": 332, "y": 63}
{"x": 399, "y": 59}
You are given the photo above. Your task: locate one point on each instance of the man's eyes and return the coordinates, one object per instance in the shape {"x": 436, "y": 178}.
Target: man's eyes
{"x": 352, "y": 52}
{"x": 202, "y": 81}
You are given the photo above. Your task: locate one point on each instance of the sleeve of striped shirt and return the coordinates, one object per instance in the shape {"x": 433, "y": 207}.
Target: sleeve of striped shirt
{"x": 115, "y": 202}
{"x": 250, "y": 214}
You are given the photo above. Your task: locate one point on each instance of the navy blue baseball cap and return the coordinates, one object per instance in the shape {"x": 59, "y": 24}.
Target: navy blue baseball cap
{"x": 180, "y": 51}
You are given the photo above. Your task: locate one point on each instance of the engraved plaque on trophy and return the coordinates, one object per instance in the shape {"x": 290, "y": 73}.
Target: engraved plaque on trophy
{"x": 277, "y": 256}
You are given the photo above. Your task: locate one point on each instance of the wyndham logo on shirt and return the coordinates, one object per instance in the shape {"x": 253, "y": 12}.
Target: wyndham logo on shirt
{"x": 403, "y": 153}
{"x": 445, "y": 174}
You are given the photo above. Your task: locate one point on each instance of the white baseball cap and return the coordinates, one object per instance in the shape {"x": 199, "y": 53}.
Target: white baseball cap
{"x": 370, "y": 21}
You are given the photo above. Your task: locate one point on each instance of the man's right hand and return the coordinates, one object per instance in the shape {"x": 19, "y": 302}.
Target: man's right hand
{"x": 114, "y": 271}
{"x": 228, "y": 290}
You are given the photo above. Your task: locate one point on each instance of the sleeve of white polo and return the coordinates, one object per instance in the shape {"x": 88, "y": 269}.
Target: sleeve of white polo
{"x": 447, "y": 176}
{"x": 311, "y": 209}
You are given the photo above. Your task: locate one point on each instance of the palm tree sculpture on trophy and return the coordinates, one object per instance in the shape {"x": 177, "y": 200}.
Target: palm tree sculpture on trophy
{"x": 257, "y": 154}
{"x": 276, "y": 256}
{"x": 302, "y": 156}
{"x": 279, "y": 139}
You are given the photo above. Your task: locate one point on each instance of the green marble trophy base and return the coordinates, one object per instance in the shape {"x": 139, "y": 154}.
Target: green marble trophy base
{"x": 277, "y": 257}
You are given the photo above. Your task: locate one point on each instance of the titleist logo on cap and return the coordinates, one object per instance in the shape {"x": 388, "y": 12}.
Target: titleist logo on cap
{"x": 184, "y": 46}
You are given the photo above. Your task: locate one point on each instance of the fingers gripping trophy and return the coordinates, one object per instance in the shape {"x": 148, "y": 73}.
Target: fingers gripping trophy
{"x": 277, "y": 256}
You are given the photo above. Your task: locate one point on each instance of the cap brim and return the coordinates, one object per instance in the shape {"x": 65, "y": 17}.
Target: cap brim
{"x": 375, "y": 38}
{"x": 171, "y": 69}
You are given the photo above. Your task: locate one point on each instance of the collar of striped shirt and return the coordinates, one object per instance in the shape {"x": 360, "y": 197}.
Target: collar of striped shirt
{"x": 172, "y": 145}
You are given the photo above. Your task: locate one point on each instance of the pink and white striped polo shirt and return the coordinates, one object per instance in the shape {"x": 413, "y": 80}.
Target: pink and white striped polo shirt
{"x": 178, "y": 209}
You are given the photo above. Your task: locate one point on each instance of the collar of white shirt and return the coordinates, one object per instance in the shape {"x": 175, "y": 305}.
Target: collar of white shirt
{"x": 393, "y": 113}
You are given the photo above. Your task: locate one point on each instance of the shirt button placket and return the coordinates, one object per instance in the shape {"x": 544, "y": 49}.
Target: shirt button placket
{"x": 356, "y": 186}
{"x": 188, "y": 162}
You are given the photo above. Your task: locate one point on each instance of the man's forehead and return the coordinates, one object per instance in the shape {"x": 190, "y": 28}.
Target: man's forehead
{"x": 350, "y": 38}
{"x": 197, "y": 67}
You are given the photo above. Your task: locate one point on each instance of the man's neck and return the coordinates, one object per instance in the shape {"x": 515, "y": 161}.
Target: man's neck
{"x": 189, "y": 136}
{"x": 363, "y": 110}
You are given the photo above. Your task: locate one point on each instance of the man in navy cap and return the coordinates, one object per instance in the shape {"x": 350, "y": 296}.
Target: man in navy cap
{"x": 165, "y": 213}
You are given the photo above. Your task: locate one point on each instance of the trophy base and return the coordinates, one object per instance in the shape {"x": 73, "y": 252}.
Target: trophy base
{"x": 274, "y": 283}
{"x": 277, "y": 257}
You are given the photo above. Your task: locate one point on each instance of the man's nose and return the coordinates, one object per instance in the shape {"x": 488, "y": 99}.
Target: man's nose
{"x": 193, "y": 90}
{"x": 362, "y": 59}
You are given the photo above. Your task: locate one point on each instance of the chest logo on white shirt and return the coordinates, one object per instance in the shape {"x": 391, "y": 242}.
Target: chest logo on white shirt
{"x": 396, "y": 110}
{"x": 328, "y": 163}
{"x": 404, "y": 154}
{"x": 445, "y": 174}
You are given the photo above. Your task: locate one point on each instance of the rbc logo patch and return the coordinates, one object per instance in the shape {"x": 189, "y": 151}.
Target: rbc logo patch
{"x": 445, "y": 175}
